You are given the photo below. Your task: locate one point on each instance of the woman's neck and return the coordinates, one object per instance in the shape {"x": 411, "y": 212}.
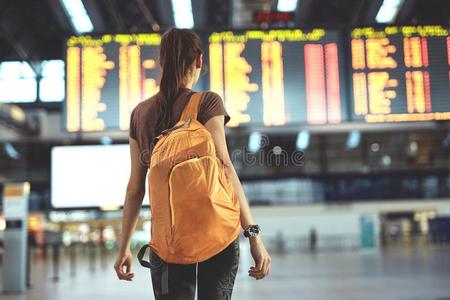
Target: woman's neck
{"x": 187, "y": 86}
{"x": 189, "y": 83}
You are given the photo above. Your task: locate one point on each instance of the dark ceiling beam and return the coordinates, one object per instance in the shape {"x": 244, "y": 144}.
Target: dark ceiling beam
{"x": 404, "y": 15}
{"x": 165, "y": 13}
{"x": 22, "y": 34}
{"x": 220, "y": 13}
{"x": 366, "y": 12}
{"x": 199, "y": 9}
{"x": 227, "y": 9}
{"x": 112, "y": 11}
{"x": 148, "y": 15}
{"x": 60, "y": 15}
{"x": 18, "y": 48}
{"x": 10, "y": 25}
{"x": 95, "y": 16}
{"x": 4, "y": 5}
{"x": 304, "y": 8}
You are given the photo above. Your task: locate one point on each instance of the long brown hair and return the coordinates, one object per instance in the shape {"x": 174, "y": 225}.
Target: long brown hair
{"x": 179, "y": 49}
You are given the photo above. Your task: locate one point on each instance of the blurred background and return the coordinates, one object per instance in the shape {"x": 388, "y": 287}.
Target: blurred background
{"x": 339, "y": 131}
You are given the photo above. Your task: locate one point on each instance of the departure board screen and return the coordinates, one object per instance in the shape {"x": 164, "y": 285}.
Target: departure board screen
{"x": 400, "y": 73}
{"x": 279, "y": 77}
{"x": 107, "y": 77}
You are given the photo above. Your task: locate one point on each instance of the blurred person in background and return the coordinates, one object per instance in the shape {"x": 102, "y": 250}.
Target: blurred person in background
{"x": 181, "y": 62}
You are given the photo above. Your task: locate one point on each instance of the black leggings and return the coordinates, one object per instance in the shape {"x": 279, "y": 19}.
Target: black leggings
{"x": 215, "y": 275}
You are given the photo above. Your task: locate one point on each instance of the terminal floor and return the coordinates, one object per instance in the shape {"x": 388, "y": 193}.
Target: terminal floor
{"x": 400, "y": 274}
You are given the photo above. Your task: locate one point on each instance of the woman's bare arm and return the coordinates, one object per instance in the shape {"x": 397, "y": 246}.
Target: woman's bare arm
{"x": 133, "y": 202}
{"x": 262, "y": 259}
{"x": 217, "y": 130}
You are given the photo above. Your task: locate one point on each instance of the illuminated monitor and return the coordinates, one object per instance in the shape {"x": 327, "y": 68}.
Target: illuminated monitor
{"x": 17, "y": 82}
{"x": 20, "y": 84}
{"x": 90, "y": 176}
{"x": 279, "y": 77}
{"x": 107, "y": 76}
{"x": 400, "y": 74}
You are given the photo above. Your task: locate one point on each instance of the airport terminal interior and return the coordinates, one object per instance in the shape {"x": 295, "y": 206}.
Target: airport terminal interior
{"x": 339, "y": 131}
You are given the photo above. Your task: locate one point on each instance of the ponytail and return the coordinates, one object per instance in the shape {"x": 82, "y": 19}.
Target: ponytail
{"x": 179, "y": 49}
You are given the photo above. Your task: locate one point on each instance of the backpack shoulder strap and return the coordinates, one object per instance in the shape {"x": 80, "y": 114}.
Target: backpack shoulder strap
{"x": 192, "y": 107}
{"x": 189, "y": 111}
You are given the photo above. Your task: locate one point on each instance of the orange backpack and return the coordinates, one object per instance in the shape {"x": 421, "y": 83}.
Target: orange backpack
{"x": 195, "y": 213}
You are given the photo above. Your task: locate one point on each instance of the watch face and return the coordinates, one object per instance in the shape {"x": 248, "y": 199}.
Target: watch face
{"x": 254, "y": 230}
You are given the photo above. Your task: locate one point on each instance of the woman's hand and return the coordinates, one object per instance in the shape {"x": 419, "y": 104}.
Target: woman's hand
{"x": 123, "y": 266}
{"x": 261, "y": 258}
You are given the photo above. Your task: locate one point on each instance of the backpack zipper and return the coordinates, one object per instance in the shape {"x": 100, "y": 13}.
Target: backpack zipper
{"x": 155, "y": 140}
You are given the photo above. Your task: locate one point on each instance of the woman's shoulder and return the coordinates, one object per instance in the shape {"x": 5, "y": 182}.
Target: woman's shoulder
{"x": 211, "y": 98}
{"x": 211, "y": 95}
{"x": 146, "y": 106}
{"x": 212, "y": 105}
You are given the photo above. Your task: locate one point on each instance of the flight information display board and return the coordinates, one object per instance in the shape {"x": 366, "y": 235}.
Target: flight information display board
{"x": 279, "y": 77}
{"x": 107, "y": 77}
{"x": 400, "y": 73}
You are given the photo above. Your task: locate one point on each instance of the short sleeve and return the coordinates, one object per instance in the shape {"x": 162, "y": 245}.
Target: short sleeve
{"x": 133, "y": 125}
{"x": 211, "y": 106}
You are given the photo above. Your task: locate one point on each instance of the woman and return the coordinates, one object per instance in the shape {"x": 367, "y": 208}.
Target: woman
{"x": 181, "y": 62}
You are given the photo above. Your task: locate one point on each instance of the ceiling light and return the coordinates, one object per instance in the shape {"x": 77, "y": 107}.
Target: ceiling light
{"x": 388, "y": 11}
{"x": 287, "y": 5}
{"x": 182, "y": 13}
{"x": 375, "y": 147}
{"x": 106, "y": 140}
{"x": 78, "y": 16}
{"x": 386, "y": 160}
{"x": 11, "y": 151}
{"x": 254, "y": 141}
{"x": 354, "y": 137}
{"x": 302, "y": 142}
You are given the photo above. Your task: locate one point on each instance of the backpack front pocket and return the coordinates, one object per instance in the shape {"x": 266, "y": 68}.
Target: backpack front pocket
{"x": 194, "y": 193}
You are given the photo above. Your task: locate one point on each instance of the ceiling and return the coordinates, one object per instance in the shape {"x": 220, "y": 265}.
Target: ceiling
{"x": 35, "y": 30}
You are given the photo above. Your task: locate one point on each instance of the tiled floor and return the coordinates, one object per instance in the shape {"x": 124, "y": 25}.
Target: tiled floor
{"x": 390, "y": 275}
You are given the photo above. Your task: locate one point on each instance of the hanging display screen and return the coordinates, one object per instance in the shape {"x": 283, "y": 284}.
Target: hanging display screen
{"x": 85, "y": 177}
{"x": 400, "y": 73}
{"x": 272, "y": 77}
{"x": 107, "y": 77}
{"x": 279, "y": 77}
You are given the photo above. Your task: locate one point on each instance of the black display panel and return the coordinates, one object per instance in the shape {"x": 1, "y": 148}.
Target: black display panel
{"x": 400, "y": 74}
{"x": 279, "y": 77}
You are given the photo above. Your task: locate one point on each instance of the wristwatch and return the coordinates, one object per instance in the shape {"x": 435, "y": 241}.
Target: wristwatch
{"x": 252, "y": 231}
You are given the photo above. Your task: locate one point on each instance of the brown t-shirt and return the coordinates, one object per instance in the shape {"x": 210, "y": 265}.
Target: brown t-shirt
{"x": 144, "y": 116}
